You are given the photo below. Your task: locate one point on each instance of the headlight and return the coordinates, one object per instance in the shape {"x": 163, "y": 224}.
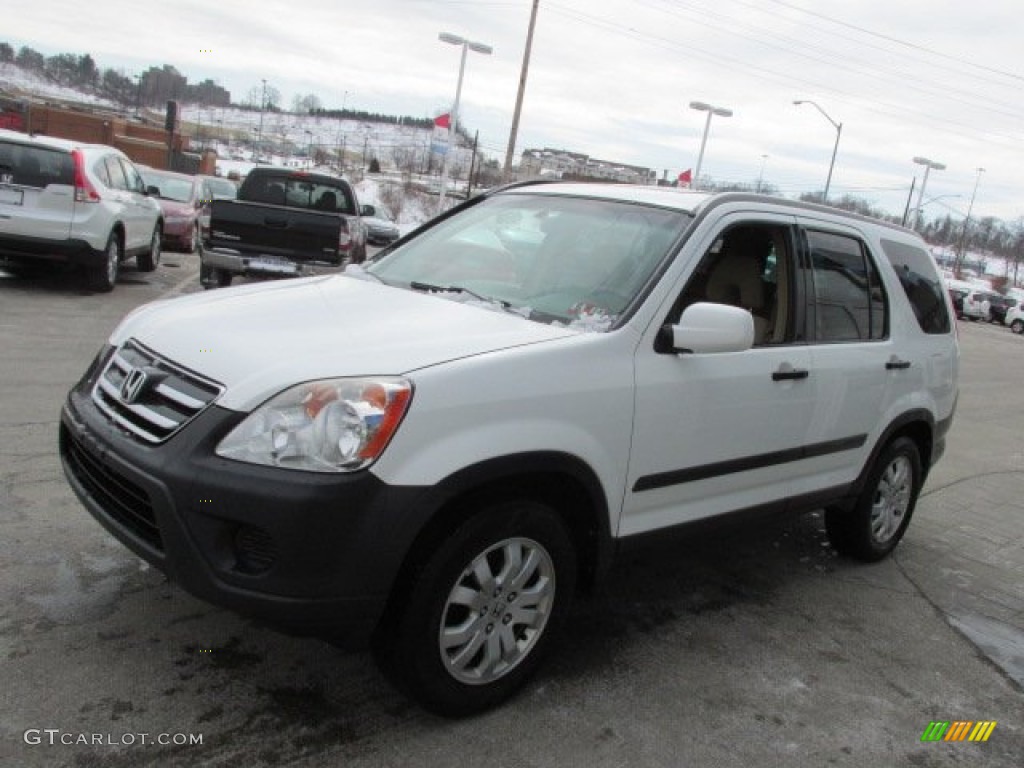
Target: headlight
{"x": 334, "y": 425}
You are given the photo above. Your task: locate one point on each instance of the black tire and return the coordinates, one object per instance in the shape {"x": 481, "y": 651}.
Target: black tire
{"x": 148, "y": 261}
{"x": 211, "y": 277}
{"x": 498, "y": 575}
{"x": 103, "y": 277}
{"x": 1017, "y": 326}
{"x": 874, "y": 526}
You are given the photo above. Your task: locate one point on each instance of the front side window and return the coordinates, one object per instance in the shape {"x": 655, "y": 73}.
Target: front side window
{"x": 847, "y": 301}
{"x": 573, "y": 261}
{"x": 749, "y": 265}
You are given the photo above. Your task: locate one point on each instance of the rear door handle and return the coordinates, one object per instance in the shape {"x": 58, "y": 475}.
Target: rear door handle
{"x": 895, "y": 364}
{"x": 787, "y": 372}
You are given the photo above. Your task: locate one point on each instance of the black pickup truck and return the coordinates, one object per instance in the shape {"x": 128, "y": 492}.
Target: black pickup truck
{"x": 284, "y": 223}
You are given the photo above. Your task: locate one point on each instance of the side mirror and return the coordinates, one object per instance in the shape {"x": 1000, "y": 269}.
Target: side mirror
{"x": 153, "y": 191}
{"x": 710, "y": 328}
{"x": 367, "y": 210}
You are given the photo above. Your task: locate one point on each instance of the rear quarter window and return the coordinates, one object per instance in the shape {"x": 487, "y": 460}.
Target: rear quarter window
{"x": 921, "y": 284}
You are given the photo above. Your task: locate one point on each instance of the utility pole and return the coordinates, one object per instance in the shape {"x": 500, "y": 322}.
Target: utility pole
{"x": 472, "y": 163}
{"x": 510, "y": 152}
{"x": 259, "y": 134}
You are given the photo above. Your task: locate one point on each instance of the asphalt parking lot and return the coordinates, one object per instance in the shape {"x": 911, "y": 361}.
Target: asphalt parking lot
{"x": 755, "y": 647}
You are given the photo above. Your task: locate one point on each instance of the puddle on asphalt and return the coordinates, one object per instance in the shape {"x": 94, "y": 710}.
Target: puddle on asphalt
{"x": 1002, "y": 643}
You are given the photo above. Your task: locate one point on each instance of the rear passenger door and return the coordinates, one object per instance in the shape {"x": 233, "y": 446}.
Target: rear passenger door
{"x": 856, "y": 369}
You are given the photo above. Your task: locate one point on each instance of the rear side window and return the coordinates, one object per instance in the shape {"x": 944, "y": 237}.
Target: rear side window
{"x": 34, "y": 166}
{"x": 115, "y": 173}
{"x": 921, "y": 283}
{"x": 848, "y": 302}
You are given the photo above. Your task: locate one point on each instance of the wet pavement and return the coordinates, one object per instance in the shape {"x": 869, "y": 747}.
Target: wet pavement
{"x": 755, "y": 647}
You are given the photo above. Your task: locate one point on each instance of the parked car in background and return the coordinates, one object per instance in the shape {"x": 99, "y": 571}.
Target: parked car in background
{"x": 186, "y": 202}
{"x": 222, "y": 189}
{"x": 380, "y": 228}
{"x": 284, "y": 223}
{"x": 956, "y": 295}
{"x": 77, "y": 203}
{"x": 1015, "y": 318}
{"x": 1001, "y": 305}
{"x": 978, "y": 305}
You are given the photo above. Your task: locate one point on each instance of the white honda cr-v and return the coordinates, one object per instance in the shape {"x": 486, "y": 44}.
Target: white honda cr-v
{"x": 84, "y": 204}
{"x": 433, "y": 451}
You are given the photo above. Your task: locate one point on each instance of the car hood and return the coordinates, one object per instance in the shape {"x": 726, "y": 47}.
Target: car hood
{"x": 259, "y": 339}
{"x": 175, "y": 208}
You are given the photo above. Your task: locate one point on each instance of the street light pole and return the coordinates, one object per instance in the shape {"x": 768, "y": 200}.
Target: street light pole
{"x": 700, "y": 106}
{"x": 760, "y": 176}
{"x": 835, "y": 148}
{"x": 929, "y": 165}
{"x": 309, "y": 150}
{"x": 963, "y": 235}
{"x": 467, "y": 45}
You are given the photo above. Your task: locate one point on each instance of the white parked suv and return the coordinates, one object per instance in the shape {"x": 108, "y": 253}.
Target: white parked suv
{"x": 978, "y": 305}
{"x": 1015, "y": 318}
{"x": 433, "y": 451}
{"x": 83, "y": 204}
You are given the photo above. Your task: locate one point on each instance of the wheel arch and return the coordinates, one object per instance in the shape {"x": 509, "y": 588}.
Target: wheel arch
{"x": 562, "y": 481}
{"x": 918, "y": 425}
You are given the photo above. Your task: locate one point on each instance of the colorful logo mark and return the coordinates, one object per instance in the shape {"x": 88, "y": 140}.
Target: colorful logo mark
{"x": 958, "y": 730}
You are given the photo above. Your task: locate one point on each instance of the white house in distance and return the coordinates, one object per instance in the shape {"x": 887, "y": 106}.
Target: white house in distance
{"x": 561, "y": 163}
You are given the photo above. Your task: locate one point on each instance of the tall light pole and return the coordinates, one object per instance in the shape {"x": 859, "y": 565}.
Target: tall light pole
{"x": 929, "y": 165}
{"x": 259, "y": 134}
{"x": 700, "y": 106}
{"x": 309, "y": 150}
{"x": 760, "y": 176}
{"x": 467, "y": 45}
{"x": 963, "y": 235}
{"x": 835, "y": 148}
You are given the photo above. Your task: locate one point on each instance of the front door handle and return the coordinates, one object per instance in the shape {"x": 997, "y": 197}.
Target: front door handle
{"x": 895, "y": 364}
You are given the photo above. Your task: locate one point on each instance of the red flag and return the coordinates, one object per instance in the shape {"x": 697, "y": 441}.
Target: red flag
{"x": 686, "y": 177}
{"x": 443, "y": 121}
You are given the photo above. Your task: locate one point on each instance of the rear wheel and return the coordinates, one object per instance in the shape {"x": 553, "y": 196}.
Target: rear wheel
{"x": 149, "y": 260}
{"x": 878, "y": 520}
{"x": 103, "y": 277}
{"x": 1017, "y": 326}
{"x": 483, "y": 609}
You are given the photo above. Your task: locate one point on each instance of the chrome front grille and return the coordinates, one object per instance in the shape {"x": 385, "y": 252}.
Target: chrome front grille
{"x": 160, "y": 398}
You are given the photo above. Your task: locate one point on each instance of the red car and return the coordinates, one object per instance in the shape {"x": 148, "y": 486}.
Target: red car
{"x": 185, "y": 201}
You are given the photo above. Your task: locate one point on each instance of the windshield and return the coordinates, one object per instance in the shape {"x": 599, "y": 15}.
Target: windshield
{"x": 171, "y": 187}
{"x": 562, "y": 260}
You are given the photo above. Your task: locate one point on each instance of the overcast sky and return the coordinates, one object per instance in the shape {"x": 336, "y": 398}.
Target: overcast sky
{"x": 614, "y": 78}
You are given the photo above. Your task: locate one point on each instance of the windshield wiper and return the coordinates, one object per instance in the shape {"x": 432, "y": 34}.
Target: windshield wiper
{"x": 431, "y": 288}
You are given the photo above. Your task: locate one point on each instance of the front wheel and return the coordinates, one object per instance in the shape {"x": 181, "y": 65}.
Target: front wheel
{"x": 483, "y": 609}
{"x": 1017, "y": 326}
{"x": 878, "y": 520}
